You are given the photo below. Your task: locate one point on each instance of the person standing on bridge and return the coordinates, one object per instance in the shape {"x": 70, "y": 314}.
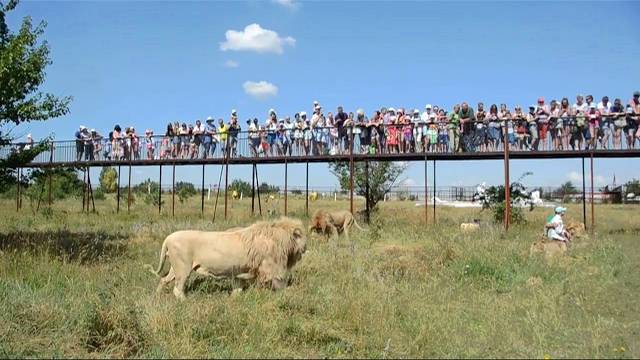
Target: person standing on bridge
{"x": 234, "y": 131}
{"x": 606, "y": 122}
{"x": 79, "y": 135}
{"x": 467, "y": 119}
{"x": 454, "y": 129}
{"x": 339, "y": 120}
{"x": 532, "y": 126}
{"x": 198, "y": 134}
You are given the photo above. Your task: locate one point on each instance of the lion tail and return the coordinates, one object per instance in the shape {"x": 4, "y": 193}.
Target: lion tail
{"x": 356, "y": 224}
{"x": 163, "y": 257}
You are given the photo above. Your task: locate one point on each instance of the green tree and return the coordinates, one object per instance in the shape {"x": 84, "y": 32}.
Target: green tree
{"x": 495, "y": 199}
{"x": 64, "y": 182}
{"x": 382, "y": 177}
{"x": 268, "y": 189}
{"x": 242, "y": 187}
{"x": 23, "y": 59}
{"x": 108, "y": 179}
{"x": 185, "y": 190}
{"x": 632, "y": 186}
{"x": 147, "y": 186}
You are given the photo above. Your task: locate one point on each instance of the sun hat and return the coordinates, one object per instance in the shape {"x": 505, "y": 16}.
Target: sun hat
{"x": 560, "y": 210}
{"x": 428, "y": 106}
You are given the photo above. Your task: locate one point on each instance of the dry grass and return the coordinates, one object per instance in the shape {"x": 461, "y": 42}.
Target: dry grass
{"x": 72, "y": 285}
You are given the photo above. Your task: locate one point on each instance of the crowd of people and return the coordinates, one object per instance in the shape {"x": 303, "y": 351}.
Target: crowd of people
{"x": 557, "y": 126}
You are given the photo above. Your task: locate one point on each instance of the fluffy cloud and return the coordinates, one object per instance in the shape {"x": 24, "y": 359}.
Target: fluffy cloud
{"x": 260, "y": 90}
{"x": 576, "y": 178}
{"x": 255, "y": 38}
{"x": 291, "y": 4}
{"x": 231, "y": 64}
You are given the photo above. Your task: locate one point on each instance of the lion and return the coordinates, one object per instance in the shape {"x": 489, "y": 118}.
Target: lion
{"x": 576, "y": 229}
{"x": 332, "y": 223}
{"x": 264, "y": 252}
{"x": 550, "y": 248}
{"x": 313, "y": 196}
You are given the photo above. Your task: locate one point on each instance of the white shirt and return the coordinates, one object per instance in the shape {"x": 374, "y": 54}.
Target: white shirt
{"x": 604, "y": 110}
{"x": 426, "y": 116}
{"x": 557, "y": 220}
{"x": 198, "y": 129}
{"x": 582, "y": 107}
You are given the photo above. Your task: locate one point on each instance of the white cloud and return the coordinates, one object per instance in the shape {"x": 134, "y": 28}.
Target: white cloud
{"x": 574, "y": 176}
{"x": 291, "y": 4}
{"x": 231, "y": 64}
{"x": 260, "y": 90}
{"x": 255, "y": 38}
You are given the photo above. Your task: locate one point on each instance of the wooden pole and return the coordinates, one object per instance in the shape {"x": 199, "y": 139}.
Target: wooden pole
{"x": 84, "y": 190}
{"x": 258, "y": 189}
{"x": 593, "y": 208}
{"x": 253, "y": 189}
{"x": 202, "y": 195}
{"x": 306, "y": 203}
{"x": 285, "y": 186}
{"x": 18, "y": 190}
{"x": 215, "y": 206}
{"x": 160, "y": 191}
{"x": 584, "y": 196}
{"x": 434, "y": 191}
{"x": 226, "y": 180}
{"x": 50, "y": 177}
{"x": 129, "y": 187}
{"x": 90, "y": 193}
{"x": 366, "y": 191}
{"x": 173, "y": 191}
{"x": 426, "y": 192}
{"x": 118, "y": 191}
{"x": 351, "y": 170}
{"x": 507, "y": 183}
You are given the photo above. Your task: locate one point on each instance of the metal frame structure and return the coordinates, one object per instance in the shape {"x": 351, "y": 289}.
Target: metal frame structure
{"x": 352, "y": 158}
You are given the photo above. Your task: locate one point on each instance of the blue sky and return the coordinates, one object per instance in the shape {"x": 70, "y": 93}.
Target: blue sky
{"x": 148, "y": 63}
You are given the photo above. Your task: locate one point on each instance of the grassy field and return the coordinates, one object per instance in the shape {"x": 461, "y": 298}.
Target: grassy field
{"x": 73, "y": 285}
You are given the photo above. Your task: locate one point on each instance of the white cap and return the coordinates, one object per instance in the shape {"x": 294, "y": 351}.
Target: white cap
{"x": 272, "y": 111}
{"x": 82, "y": 127}
{"x": 303, "y": 113}
{"x": 360, "y": 112}
{"x": 391, "y": 109}
{"x": 93, "y": 130}
{"x": 28, "y": 135}
{"x": 416, "y": 111}
{"x": 233, "y": 111}
{"x": 428, "y": 106}
{"x": 317, "y": 107}
{"x": 210, "y": 118}
{"x": 315, "y": 103}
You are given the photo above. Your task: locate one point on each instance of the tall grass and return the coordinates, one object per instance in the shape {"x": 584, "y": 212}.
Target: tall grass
{"x": 73, "y": 285}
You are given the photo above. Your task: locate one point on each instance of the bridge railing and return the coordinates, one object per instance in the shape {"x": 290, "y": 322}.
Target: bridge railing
{"x": 321, "y": 141}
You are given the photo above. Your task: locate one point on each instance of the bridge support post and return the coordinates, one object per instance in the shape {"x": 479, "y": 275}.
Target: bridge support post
{"x": 285, "y": 186}
{"x": 84, "y": 191}
{"x": 366, "y": 192}
{"x": 434, "y": 191}
{"x": 426, "y": 191}
{"x": 160, "y": 191}
{"x": 351, "y": 169}
{"x": 118, "y": 192}
{"x": 253, "y": 189}
{"x": 173, "y": 191}
{"x": 202, "y": 194}
{"x": 90, "y": 192}
{"x": 49, "y": 175}
{"x": 593, "y": 208}
{"x": 258, "y": 188}
{"x": 129, "y": 188}
{"x": 18, "y": 189}
{"x": 507, "y": 183}
{"x": 215, "y": 206}
{"x": 584, "y": 197}
{"x": 226, "y": 183}
{"x": 306, "y": 203}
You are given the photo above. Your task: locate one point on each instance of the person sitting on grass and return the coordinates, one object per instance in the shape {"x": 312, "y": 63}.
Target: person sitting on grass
{"x": 554, "y": 227}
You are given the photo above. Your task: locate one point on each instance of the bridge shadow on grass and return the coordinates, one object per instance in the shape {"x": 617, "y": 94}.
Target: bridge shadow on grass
{"x": 82, "y": 247}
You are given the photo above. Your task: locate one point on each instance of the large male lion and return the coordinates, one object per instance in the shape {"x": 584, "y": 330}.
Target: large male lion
{"x": 264, "y": 251}
{"x": 332, "y": 223}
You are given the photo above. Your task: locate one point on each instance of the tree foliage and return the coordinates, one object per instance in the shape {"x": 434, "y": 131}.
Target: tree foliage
{"x": 108, "y": 179}
{"x": 268, "y": 189}
{"x": 632, "y": 186}
{"x": 64, "y": 182}
{"x": 382, "y": 177}
{"x": 146, "y": 187}
{"x": 495, "y": 199}
{"x": 23, "y": 59}
{"x": 242, "y": 187}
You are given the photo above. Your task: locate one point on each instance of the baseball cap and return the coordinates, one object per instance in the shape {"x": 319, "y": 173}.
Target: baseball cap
{"x": 233, "y": 112}
{"x": 82, "y": 127}
{"x": 560, "y": 210}
{"x": 416, "y": 111}
{"x": 272, "y": 111}
{"x": 636, "y": 93}
{"x": 391, "y": 109}
{"x": 428, "y": 106}
{"x": 303, "y": 113}
{"x": 592, "y": 106}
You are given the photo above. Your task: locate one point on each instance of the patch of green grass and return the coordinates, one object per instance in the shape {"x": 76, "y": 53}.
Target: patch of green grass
{"x": 73, "y": 285}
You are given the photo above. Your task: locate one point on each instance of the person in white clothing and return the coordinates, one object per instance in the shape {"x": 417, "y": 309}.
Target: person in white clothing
{"x": 555, "y": 227}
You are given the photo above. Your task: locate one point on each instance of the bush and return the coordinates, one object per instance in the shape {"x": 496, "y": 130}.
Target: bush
{"x": 99, "y": 194}
{"x": 517, "y": 216}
